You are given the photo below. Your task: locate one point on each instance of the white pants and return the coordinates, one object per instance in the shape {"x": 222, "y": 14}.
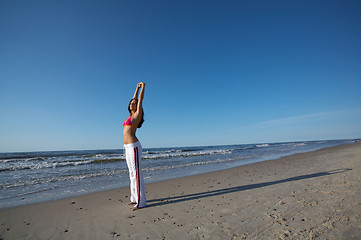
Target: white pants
{"x": 133, "y": 155}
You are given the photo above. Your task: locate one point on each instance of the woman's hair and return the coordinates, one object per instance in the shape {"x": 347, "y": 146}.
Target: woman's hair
{"x": 130, "y": 112}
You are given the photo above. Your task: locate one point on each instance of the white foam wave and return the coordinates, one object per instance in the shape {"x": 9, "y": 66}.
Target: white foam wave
{"x": 262, "y": 145}
{"x": 61, "y": 178}
{"x": 191, "y": 164}
{"x": 299, "y": 144}
{"x": 178, "y": 154}
{"x": 41, "y": 164}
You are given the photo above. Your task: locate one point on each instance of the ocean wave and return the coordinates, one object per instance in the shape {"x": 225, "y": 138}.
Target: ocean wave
{"x": 299, "y": 144}
{"x": 47, "y": 160}
{"x": 36, "y": 163}
{"x": 198, "y": 163}
{"x": 108, "y": 160}
{"x": 41, "y": 165}
{"x": 170, "y": 151}
{"x": 262, "y": 145}
{"x": 179, "y": 154}
{"x": 255, "y": 146}
{"x": 22, "y": 159}
{"x": 35, "y": 155}
{"x": 61, "y": 179}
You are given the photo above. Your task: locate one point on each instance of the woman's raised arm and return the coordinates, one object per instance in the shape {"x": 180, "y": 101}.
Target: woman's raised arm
{"x": 135, "y": 96}
{"x": 141, "y": 95}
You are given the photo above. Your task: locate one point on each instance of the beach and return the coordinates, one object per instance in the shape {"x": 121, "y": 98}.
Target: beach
{"x": 312, "y": 195}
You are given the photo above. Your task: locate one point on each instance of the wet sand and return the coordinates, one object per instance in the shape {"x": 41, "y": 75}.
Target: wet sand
{"x": 315, "y": 195}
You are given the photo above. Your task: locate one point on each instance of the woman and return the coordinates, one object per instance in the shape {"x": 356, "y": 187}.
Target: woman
{"x": 133, "y": 148}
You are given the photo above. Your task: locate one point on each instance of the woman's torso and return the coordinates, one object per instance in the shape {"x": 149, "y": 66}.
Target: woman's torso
{"x": 129, "y": 135}
{"x": 130, "y": 128}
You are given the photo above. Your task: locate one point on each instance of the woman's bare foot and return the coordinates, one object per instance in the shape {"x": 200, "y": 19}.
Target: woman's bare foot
{"x": 135, "y": 208}
{"x": 131, "y": 203}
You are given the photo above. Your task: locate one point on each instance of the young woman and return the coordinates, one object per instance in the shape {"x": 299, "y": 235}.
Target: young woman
{"x": 133, "y": 148}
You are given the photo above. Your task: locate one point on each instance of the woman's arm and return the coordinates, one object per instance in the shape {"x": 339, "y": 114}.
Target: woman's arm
{"x": 135, "y": 96}
{"x": 141, "y": 96}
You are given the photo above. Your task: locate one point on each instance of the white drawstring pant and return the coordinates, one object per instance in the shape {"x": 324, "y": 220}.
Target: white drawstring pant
{"x": 133, "y": 155}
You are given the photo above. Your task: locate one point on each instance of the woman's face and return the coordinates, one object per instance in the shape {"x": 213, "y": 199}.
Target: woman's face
{"x": 133, "y": 105}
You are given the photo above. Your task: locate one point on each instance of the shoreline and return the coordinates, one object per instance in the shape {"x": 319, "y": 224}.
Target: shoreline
{"x": 300, "y": 196}
{"x": 23, "y": 200}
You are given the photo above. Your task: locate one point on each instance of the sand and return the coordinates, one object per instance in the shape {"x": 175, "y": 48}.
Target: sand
{"x": 315, "y": 195}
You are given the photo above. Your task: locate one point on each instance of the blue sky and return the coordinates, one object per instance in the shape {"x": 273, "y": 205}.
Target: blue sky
{"x": 217, "y": 72}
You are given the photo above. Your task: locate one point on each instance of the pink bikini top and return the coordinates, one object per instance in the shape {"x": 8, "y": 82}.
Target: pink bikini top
{"x": 128, "y": 122}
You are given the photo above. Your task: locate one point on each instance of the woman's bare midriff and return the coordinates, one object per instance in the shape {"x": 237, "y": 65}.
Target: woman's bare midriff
{"x": 129, "y": 135}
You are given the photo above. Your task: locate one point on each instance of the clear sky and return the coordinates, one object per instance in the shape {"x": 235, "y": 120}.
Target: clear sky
{"x": 217, "y": 72}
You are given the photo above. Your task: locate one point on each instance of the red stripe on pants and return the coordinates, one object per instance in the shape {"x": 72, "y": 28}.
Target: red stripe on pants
{"x": 136, "y": 161}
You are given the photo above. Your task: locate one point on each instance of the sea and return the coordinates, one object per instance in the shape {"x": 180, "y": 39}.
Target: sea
{"x": 32, "y": 177}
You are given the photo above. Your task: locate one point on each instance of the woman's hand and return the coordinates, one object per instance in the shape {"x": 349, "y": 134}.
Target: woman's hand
{"x": 141, "y": 85}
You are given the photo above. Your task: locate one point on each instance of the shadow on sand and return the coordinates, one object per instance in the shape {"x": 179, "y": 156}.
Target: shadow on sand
{"x": 188, "y": 197}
